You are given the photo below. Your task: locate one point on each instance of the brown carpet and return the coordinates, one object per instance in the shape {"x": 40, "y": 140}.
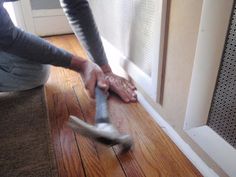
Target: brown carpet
{"x": 25, "y": 147}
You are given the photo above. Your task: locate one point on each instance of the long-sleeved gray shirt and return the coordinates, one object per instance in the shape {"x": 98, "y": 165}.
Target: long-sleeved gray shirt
{"x": 15, "y": 41}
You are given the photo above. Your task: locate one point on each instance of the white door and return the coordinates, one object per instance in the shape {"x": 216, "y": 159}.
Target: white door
{"x": 44, "y": 17}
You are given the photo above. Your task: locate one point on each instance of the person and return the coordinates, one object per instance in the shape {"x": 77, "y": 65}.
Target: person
{"x": 25, "y": 58}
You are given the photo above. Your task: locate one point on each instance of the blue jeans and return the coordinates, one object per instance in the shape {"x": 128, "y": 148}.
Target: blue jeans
{"x": 17, "y": 74}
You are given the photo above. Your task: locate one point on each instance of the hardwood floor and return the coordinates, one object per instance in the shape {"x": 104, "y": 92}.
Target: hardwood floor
{"x": 153, "y": 155}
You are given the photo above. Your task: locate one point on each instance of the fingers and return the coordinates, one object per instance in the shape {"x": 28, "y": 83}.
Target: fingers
{"x": 92, "y": 76}
{"x": 126, "y": 96}
{"x": 122, "y": 87}
{"x": 102, "y": 82}
{"x": 131, "y": 85}
{"x": 90, "y": 85}
{"x": 129, "y": 92}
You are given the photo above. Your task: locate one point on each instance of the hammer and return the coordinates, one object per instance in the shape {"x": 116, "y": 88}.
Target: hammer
{"x": 103, "y": 131}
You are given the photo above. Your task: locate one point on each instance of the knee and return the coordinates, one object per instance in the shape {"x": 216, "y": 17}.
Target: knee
{"x": 36, "y": 76}
{"x": 43, "y": 75}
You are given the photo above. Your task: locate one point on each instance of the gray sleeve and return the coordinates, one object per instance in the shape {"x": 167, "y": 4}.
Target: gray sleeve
{"x": 15, "y": 41}
{"x": 82, "y": 22}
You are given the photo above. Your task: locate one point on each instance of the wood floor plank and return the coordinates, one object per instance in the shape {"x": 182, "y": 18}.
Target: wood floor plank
{"x": 131, "y": 167}
{"x": 91, "y": 162}
{"x": 72, "y": 163}
{"x": 108, "y": 158}
{"x": 146, "y": 150}
{"x": 154, "y": 153}
{"x": 55, "y": 133}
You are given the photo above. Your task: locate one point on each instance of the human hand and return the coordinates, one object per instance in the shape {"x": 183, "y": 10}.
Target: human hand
{"x": 124, "y": 88}
{"x": 91, "y": 73}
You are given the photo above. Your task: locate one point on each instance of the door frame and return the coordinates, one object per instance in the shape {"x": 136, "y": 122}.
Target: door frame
{"x": 27, "y": 15}
{"x": 23, "y": 17}
{"x": 39, "y": 21}
{"x": 210, "y": 45}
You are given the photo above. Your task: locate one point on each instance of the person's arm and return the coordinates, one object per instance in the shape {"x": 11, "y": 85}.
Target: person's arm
{"x": 31, "y": 47}
{"x": 81, "y": 19}
{"x": 15, "y": 41}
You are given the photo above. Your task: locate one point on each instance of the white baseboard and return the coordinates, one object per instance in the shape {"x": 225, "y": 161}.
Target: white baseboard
{"x": 216, "y": 147}
{"x": 205, "y": 170}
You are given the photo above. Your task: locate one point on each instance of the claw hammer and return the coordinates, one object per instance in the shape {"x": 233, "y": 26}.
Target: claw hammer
{"x": 103, "y": 131}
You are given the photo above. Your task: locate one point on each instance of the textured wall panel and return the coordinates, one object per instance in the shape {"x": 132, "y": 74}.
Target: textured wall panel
{"x": 222, "y": 116}
{"x": 114, "y": 21}
{"x": 131, "y": 26}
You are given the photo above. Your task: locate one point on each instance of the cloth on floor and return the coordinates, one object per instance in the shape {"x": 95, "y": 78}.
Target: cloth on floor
{"x": 25, "y": 143}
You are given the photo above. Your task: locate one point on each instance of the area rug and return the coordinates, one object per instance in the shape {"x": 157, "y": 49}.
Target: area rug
{"x": 25, "y": 143}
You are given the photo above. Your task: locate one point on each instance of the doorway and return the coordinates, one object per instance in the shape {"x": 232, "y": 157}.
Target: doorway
{"x": 210, "y": 46}
{"x": 42, "y": 18}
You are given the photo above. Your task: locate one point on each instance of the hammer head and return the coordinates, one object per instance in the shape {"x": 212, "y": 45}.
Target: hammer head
{"x": 104, "y": 133}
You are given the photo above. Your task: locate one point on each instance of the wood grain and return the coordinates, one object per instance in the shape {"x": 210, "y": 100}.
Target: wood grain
{"x": 110, "y": 161}
{"x": 153, "y": 155}
{"x": 72, "y": 163}
{"x": 88, "y": 152}
{"x": 156, "y": 153}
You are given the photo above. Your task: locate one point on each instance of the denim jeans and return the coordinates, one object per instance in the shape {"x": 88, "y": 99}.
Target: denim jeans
{"x": 17, "y": 74}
